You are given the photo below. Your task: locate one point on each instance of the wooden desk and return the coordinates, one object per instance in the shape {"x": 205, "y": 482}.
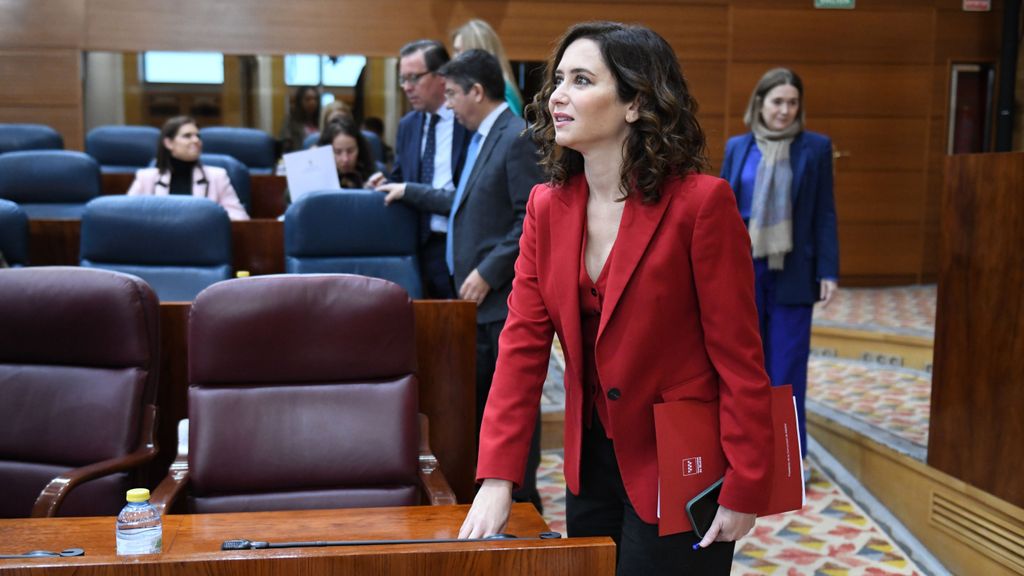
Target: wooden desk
{"x": 192, "y": 545}
{"x": 266, "y": 190}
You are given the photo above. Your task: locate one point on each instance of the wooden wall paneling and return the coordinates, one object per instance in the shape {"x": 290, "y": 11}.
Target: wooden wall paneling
{"x": 876, "y": 250}
{"x": 876, "y": 144}
{"x": 975, "y": 429}
{"x": 43, "y": 86}
{"x": 378, "y": 27}
{"x": 967, "y": 35}
{"x": 40, "y": 78}
{"x": 831, "y": 36}
{"x": 841, "y": 90}
{"x": 42, "y": 24}
{"x": 879, "y": 197}
{"x": 68, "y": 120}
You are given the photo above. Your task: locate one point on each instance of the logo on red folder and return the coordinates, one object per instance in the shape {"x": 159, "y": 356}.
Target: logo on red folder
{"x": 692, "y": 466}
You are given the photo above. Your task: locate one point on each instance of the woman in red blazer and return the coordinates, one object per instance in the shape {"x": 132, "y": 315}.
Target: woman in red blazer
{"x": 642, "y": 268}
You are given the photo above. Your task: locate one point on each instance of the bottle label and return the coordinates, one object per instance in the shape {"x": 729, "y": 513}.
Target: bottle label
{"x": 139, "y": 541}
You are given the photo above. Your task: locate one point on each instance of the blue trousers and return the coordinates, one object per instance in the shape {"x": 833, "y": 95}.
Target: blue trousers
{"x": 786, "y": 335}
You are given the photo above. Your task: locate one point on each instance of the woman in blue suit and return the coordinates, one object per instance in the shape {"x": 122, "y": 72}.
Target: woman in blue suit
{"x": 782, "y": 178}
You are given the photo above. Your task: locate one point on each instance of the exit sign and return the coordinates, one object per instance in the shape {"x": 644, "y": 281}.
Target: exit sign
{"x": 977, "y": 5}
{"x": 835, "y": 4}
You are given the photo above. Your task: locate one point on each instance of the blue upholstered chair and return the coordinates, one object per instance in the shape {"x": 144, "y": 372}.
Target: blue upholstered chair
{"x": 252, "y": 147}
{"x": 238, "y": 173}
{"x": 352, "y": 231}
{"x": 121, "y": 149}
{"x": 14, "y": 137}
{"x": 49, "y": 183}
{"x": 179, "y": 244}
{"x": 13, "y": 234}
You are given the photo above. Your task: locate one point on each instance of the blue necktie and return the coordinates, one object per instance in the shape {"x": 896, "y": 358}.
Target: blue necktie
{"x": 426, "y": 175}
{"x": 467, "y": 170}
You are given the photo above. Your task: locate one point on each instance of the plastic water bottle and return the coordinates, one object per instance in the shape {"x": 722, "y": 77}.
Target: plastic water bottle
{"x": 139, "y": 529}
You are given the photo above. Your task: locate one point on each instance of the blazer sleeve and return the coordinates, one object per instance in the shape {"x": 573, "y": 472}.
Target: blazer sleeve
{"x": 225, "y": 195}
{"x": 427, "y": 199}
{"x": 825, "y": 229}
{"x": 724, "y": 276}
{"x": 524, "y": 350}
{"x": 523, "y": 173}
{"x": 138, "y": 187}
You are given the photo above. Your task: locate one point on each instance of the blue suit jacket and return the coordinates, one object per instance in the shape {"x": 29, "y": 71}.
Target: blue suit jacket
{"x": 815, "y": 253}
{"x": 407, "y": 148}
{"x": 407, "y": 156}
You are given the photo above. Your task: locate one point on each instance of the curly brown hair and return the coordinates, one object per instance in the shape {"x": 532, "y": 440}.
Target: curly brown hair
{"x": 666, "y": 140}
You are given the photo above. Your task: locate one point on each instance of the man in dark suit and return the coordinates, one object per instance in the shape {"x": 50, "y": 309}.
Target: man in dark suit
{"x": 486, "y": 212}
{"x": 430, "y": 149}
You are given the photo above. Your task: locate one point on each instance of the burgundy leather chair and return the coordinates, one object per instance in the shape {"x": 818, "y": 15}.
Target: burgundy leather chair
{"x": 303, "y": 395}
{"x": 79, "y": 363}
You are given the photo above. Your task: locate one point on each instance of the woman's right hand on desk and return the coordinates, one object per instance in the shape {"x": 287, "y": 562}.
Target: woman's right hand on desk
{"x": 490, "y": 510}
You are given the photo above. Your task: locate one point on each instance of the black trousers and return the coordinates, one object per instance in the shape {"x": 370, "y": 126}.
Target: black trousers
{"x": 486, "y": 357}
{"x": 602, "y": 508}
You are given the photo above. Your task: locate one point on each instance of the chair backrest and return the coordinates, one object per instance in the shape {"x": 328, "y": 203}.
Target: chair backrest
{"x": 78, "y": 362}
{"x": 238, "y": 173}
{"x": 14, "y": 137}
{"x": 50, "y": 183}
{"x": 252, "y": 147}
{"x": 302, "y": 394}
{"x": 179, "y": 244}
{"x": 353, "y": 232}
{"x": 13, "y": 233}
{"x": 121, "y": 149}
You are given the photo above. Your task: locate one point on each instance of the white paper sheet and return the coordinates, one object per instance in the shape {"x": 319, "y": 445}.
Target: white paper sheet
{"x": 311, "y": 170}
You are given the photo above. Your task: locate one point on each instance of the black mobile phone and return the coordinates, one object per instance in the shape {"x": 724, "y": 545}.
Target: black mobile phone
{"x": 701, "y": 509}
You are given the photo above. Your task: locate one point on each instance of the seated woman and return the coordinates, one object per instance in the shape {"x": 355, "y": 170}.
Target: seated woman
{"x": 178, "y": 170}
{"x": 351, "y": 152}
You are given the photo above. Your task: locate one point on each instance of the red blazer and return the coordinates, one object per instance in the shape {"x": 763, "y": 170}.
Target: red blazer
{"x": 679, "y": 321}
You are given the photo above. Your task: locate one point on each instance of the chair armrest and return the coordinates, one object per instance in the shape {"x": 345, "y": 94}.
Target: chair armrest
{"x": 53, "y": 495}
{"x": 172, "y": 485}
{"x": 435, "y": 485}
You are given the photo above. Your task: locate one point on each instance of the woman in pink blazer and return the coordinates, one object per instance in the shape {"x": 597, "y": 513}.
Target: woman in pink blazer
{"x": 642, "y": 267}
{"x": 178, "y": 170}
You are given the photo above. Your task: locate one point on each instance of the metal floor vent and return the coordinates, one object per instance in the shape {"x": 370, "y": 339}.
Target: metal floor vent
{"x": 986, "y": 530}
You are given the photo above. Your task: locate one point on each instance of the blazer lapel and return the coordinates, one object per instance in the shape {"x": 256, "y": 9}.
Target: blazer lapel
{"x": 738, "y": 162}
{"x": 797, "y": 160}
{"x": 567, "y": 214}
{"x": 414, "y": 151}
{"x": 483, "y": 156}
{"x": 639, "y": 222}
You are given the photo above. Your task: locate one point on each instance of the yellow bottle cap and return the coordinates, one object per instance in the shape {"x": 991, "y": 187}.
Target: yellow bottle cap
{"x": 138, "y": 495}
{"x": 242, "y": 274}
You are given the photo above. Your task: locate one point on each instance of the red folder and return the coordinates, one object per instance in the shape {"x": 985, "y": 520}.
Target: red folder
{"x": 690, "y": 457}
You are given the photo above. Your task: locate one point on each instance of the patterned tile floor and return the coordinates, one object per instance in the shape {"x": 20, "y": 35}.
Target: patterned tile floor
{"x": 903, "y": 309}
{"x": 830, "y": 536}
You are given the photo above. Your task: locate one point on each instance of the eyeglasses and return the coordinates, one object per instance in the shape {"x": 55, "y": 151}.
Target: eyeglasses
{"x": 411, "y": 79}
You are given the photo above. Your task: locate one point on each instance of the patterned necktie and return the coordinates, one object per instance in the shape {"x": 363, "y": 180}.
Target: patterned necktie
{"x": 467, "y": 170}
{"x": 426, "y": 175}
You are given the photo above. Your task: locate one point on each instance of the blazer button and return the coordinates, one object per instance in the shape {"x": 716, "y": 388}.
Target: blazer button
{"x": 593, "y": 291}
{"x": 614, "y": 394}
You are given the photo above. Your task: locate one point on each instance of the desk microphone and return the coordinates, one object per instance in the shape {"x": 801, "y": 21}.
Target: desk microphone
{"x": 46, "y": 554}
{"x": 259, "y": 545}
